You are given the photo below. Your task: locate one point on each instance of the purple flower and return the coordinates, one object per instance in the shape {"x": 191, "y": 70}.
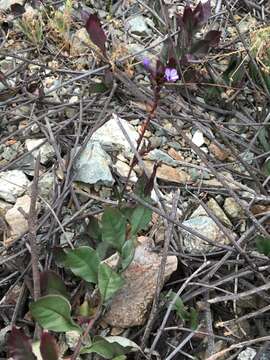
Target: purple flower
{"x": 171, "y": 74}
{"x": 146, "y": 62}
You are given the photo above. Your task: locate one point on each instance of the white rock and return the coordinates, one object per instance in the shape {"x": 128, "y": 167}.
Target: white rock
{"x": 111, "y": 137}
{"x": 205, "y": 226}
{"x": 138, "y": 25}
{"x": 123, "y": 169}
{"x": 247, "y": 354}
{"x": 93, "y": 166}
{"x": 198, "y": 138}
{"x": 46, "y": 151}
{"x": 18, "y": 224}
{"x": 13, "y": 184}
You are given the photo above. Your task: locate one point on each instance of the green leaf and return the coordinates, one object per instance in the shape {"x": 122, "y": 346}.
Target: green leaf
{"x": 97, "y": 88}
{"x": 263, "y": 245}
{"x": 263, "y": 137}
{"x": 102, "y": 249}
{"x": 121, "y": 357}
{"x": 140, "y": 219}
{"x": 109, "y": 282}
{"x": 83, "y": 262}
{"x": 193, "y": 319}
{"x": 127, "y": 253}
{"x": 52, "y": 284}
{"x": 94, "y": 229}
{"x": 52, "y": 312}
{"x": 111, "y": 347}
{"x": 114, "y": 228}
{"x": 266, "y": 167}
{"x": 178, "y": 306}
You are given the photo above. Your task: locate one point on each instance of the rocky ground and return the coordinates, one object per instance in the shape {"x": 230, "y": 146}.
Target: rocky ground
{"x": 72, "y": 116}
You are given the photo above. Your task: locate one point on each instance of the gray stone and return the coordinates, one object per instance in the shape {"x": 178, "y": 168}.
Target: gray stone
{"x": 93, "y": 166}
{"x": 111, "y": 137}
{"x": 45, "y": 185}
{"x": 205, "y": 226}
{"x": 138, "y": 25}
{"x": 13, "y": 183}
{"x": 46, "y": 151}
{"x": 160, "y": 155}
{"x": 247, "y": 354}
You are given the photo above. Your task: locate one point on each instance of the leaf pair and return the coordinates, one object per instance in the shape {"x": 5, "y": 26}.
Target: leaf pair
{"x": 189, "y": 48}
{"x": 20, "y": 347}
{"x": 86, "y": 264}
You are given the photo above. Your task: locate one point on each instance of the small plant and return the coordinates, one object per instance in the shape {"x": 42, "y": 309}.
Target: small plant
{"x": 117, "y": 230}
{"x": 187, "y": 316}
{"x": 32, "y": 25}
{"x": 60, "y": 24}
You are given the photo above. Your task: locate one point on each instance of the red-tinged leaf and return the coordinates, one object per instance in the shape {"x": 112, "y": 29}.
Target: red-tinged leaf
{"x": 96, "y": 33}
{"x": 213, "y": 37}
{"x": 187, "y": 18}
{"x": 48, "y": 347}
{"x": 19, "y": 346}
{"x": 202, "y": 13}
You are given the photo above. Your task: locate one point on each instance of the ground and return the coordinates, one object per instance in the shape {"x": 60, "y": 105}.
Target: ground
{"x": 134, "y": 179}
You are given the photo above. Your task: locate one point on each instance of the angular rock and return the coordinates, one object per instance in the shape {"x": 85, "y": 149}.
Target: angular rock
{"x": 232, "y": 208}
{"x": 111, "y": 137}
{"x": 46, "y": 151}
{"x": 205, "y": 226}
{"x": 17, "y": 222}
{"x": 138, "y": 25}
{"x": 13, "y": 183}
{"x": 216, "y": 209}
{"x": 168, "y": 173}
{"x": 218, "y": 152}
{"x": 123, "y": 169}
{"x": 176, "y": 155}
{"x": 131, "y": 303}
{"x": 45, "y": 185}
{"x": 92, "y": 165}
{"x": 162, "y": 156}
{"x": 198, "y": 138}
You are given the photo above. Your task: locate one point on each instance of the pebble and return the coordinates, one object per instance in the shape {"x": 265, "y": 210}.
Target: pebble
{"x": 247, "y": 354}
{"x": 198, "y": 138}
{"x": 46, "y": 151}
{"x": 13, "y": 183}
{"x": 232, "y": 208}
{"x": 205, "y": 226}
